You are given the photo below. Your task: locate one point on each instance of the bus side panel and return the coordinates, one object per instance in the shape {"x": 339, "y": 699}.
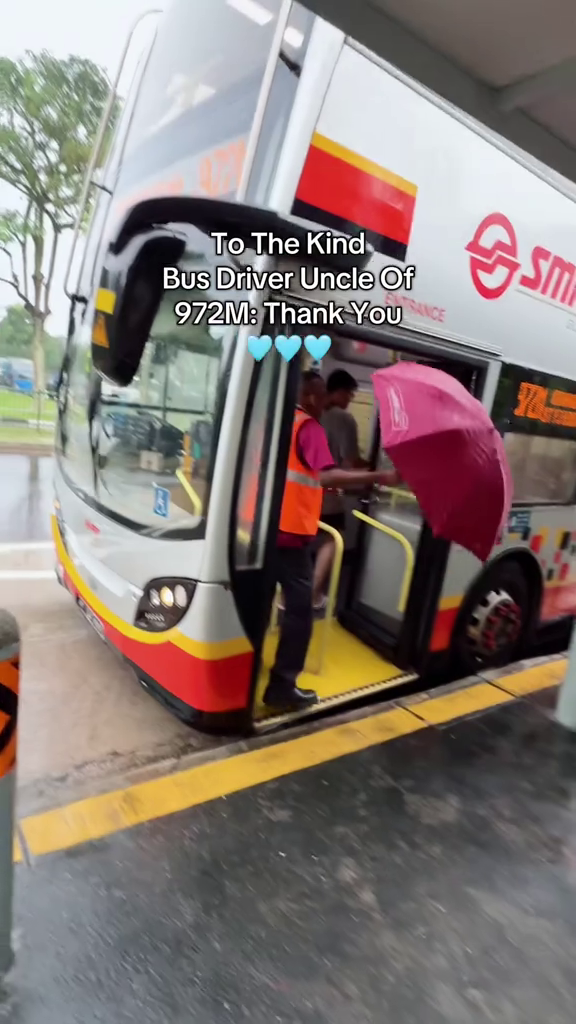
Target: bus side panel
{"x": 433, "y": 194}
{"x": 548, "y": 533}
{"x": 209, "y": 676}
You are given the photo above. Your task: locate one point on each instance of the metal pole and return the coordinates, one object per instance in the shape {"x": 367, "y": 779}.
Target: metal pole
{"x": 9, "y": 685}
{"x": 566, "y": 706}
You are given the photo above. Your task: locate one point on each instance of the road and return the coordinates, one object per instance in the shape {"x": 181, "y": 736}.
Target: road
{"x": 86, "y": 724}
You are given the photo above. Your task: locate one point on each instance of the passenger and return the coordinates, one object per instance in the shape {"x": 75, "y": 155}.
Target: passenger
{"x": 342, "y": 433}
{"x": 310, "y": 468}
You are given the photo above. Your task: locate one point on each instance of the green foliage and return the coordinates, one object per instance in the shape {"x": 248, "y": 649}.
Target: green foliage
{"x": 16, "y": 332}
{"x": 17, "y": 336}
{"x": 50, "y": 109}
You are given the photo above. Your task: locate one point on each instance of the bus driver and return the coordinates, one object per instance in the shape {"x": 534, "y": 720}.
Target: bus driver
{"x": 311, "y": 467}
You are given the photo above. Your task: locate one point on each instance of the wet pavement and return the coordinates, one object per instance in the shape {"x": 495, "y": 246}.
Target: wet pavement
{"x": 428, "y": 880}
{"x": 26, "y": 497}
{"x": 85, "y": 721}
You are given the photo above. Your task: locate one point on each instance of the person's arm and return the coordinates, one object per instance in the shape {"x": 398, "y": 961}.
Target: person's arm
{"x": 352, "y": 478}
{"x": 315, "y": 453}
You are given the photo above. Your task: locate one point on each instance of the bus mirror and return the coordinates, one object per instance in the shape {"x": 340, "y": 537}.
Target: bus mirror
{"x": 152, "y": 236}
{"x": 127, "y": 301}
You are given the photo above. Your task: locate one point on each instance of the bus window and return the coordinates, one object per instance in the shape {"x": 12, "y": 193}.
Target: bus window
{"x": 153, "y": 443}
{"x": 73, "y": 436}
{"x": 164, "y": 436}
{"x": 543, "y": 468}
{"x": 199, "y": 95}
{"x": 101, "y": 200}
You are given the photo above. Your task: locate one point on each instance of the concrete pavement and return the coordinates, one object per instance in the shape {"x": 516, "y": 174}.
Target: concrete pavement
{"x": 85, "y": 721}
{"x": 430, "y": 878}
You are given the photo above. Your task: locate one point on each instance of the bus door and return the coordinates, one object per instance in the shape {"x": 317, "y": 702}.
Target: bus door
{"x": 391, "y": 592}
{"x": 387, "y": 573}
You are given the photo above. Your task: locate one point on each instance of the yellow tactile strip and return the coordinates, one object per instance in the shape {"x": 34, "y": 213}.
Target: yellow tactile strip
{"x": 475, "y": 698}
{"x": 100, "y": 816}
{"x": 529, "y": 680}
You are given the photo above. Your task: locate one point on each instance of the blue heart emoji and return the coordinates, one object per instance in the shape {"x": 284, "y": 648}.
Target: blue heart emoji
{"x": 259, "y": 347}
{"x": 317, "y": 347}
{"x": 288, "y": 347}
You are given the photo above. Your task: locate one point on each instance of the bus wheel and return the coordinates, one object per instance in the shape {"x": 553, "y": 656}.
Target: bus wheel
{"x": 494, "y": 621}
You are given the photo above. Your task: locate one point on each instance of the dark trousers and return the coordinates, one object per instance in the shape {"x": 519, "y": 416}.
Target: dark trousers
{"x": 294, "y": 573}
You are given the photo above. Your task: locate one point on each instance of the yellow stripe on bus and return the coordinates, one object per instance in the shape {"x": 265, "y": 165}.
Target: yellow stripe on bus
{"x": 212, "y": 651}
{"x": 105, "y": 300}
{"x": 363, "y": 164}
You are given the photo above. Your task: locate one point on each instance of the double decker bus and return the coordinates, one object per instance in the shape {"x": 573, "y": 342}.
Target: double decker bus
{"x": 173, "y": 441}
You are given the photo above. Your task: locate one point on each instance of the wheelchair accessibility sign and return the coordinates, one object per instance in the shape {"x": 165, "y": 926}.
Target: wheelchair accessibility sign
{"x": 161, "y": 501}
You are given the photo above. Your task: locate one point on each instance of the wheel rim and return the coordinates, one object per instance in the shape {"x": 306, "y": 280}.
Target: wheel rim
{"x": 494, "y": 625}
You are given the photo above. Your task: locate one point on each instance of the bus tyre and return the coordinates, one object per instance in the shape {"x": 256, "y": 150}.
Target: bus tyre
{"x": 494, "y": 621}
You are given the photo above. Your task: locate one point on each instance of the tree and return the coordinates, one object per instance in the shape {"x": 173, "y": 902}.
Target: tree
{"x": 50, "y": 110}
{"x": 17, "y": 339}
{"x": 16, "y": 333}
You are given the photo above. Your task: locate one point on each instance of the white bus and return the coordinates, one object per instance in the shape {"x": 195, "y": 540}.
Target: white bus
{"x": 258, "y": 116}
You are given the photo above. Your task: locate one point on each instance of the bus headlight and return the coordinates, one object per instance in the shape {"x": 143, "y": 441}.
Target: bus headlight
{"x": 163, "y": 604}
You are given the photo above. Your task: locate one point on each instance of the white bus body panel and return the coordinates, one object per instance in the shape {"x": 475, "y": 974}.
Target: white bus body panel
{"x": 461, "y": 179}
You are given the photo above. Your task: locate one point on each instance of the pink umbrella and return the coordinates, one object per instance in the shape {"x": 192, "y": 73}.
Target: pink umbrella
{"x": 446, "y": 448}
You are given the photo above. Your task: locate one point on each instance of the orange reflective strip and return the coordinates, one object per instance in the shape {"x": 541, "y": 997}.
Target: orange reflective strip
{"x": 8, "y": 757}
{"x": 9, "y": 676}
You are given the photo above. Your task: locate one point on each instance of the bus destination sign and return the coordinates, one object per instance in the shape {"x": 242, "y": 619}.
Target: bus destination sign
{"x": 545, "y": 405}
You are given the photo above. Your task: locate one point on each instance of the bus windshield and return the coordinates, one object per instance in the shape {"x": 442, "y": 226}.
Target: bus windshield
{"x": 198, "y": 97}
{"x": 143, "y": 454}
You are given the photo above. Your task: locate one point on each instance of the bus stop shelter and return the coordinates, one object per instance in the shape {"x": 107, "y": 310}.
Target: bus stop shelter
{"x": 511, "y": 64}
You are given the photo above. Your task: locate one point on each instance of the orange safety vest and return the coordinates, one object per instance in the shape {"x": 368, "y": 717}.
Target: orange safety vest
{"x": 302, "y": 502}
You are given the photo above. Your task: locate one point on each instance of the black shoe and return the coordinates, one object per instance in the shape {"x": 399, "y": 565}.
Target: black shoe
{"x": 282, "y": 698}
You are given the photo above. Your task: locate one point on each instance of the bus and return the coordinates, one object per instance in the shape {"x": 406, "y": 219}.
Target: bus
{"x": 172, "y": 440}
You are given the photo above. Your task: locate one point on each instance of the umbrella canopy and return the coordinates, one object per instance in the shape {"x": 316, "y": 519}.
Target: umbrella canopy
{"x": 446, "y": 448}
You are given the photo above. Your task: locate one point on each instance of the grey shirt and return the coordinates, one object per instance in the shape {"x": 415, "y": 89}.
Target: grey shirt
{"x": 342, "y": 433}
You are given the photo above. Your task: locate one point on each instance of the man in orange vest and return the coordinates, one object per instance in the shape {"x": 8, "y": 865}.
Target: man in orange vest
{"x": 311, "y": 467}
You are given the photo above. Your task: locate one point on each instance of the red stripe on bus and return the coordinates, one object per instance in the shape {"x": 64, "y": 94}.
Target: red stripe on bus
{"x": 334, "y": 185}
{"x": 205, "y": 685}
{"x": 443, "y": 628}
{"x": 558, "y": 601}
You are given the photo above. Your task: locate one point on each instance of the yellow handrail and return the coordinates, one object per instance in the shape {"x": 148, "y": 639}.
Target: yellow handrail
{"x": 332, "y": 590}
{"x": 399, "y": 491}
{"x": 332, "y": 594}
{"x": 196, "y": 503}
{"x": 408, "y": 551}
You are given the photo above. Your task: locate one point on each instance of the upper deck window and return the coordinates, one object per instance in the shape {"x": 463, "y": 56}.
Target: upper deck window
{"x": 199, "y": 93}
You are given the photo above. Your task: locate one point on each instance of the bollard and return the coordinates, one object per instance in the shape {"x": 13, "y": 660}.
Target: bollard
{"x": 9, "y": 680}
{"x": 566, "y": 706}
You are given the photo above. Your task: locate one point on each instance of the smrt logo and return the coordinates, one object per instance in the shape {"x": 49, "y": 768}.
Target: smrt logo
{"x": 494, "y": 265}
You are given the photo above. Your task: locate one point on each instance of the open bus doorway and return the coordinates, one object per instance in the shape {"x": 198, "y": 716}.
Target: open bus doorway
{"x": 370, "y": 635}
